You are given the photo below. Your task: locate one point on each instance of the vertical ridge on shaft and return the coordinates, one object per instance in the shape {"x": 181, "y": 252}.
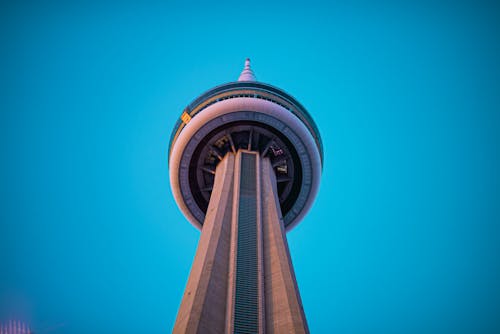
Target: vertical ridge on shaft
{"x": 203, "y": 305}
{"x": 246, "y": 304}
{"x": 283, "y": 306}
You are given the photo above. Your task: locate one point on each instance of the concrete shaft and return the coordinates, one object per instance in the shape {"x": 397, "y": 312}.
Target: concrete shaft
{"x": 242, "y": 279}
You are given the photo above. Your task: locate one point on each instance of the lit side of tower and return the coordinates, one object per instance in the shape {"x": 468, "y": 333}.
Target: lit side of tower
{"x": 245, "y": 164}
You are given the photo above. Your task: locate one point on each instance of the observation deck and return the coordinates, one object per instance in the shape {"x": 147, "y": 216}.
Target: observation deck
{"x": 253, "y": 116}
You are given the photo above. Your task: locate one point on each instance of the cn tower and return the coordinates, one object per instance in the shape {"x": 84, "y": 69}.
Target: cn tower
{"x": 245, "y": 164}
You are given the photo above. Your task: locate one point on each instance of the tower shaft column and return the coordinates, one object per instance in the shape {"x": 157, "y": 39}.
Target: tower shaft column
{"x": 203, "y": 306}
{"x": 284, "y": 311}
{"x": 242, "y": 278}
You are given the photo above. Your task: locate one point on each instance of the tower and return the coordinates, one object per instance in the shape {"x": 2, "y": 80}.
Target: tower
{"x": 245, "y": 163}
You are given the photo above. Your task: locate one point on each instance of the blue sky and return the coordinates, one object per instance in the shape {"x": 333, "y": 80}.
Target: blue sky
{"x": 404, "y": 236}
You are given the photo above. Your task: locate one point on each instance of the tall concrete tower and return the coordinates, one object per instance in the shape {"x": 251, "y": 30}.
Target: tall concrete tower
{"x": 245, "y": 164}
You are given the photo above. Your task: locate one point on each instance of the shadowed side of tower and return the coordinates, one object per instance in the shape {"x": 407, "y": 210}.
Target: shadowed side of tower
{"x": 242, "y": 280}
{"x": 284, "y": 311}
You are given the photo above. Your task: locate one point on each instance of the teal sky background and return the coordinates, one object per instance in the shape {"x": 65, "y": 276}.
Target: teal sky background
{"x": 404, "y": 236}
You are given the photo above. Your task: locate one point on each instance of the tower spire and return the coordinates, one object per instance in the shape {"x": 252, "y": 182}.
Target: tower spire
{"x": 247, "y": 73}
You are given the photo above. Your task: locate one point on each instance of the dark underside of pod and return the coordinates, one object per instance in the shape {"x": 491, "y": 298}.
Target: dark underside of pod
{"x": 247, "y": 135}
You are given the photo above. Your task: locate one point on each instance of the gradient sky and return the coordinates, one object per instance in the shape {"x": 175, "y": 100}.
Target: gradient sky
{"x": 404, "y": 236}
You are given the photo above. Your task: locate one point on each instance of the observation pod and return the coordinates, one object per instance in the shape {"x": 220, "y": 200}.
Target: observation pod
{"x": 253, "y": 116}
